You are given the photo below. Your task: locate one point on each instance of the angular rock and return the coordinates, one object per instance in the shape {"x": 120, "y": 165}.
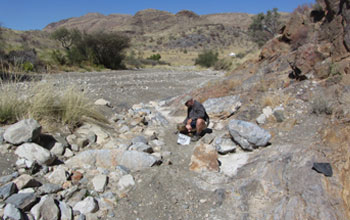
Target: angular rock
{"x": 88, "y": 205}
{"x": 231, "y": 163}
{"x": 68, "y": 153}
{"x": 86, "y": 129}
{"x": 99, "y": 158}
{"x": 8, "y": 178}
{"x": 58, "y": 176}
{"x": 139, "y": 139}
{"x": 75, "y": 196}
{"x": 224, "y": 145}
{"x": 100, "y": 182}
{"x": 204, "y": 158}
{"x": 267, "y": 111}
{"x": 278, "y": 112}
{"x": 159, "y": 119}
{"x": 141, "y": 147}
{"x": 125, "y": 183}
{"x": 7, "y": 190}
{"x": 135, "y": 160}
{"x": 27, "y": 190}
{"x": 248, "y": 135}
{"x": 57, "y": 149}
{"x": 25, "y": 181}
{"x": 76, "y": 177}
{"x": 261, "y": 119}
{"x": 46, "y": 209}
{"x": 222, "y": 107}
{"x": 23, "y": 201}
{"x": 23, "y": 131}
{"x": 49, "y": 188}
{"x": 13, "y": 213}
{"x": 34, "y": 152}
{"x": 66, "y": 211}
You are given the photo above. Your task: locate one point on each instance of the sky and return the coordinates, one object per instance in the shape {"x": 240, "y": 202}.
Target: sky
{"x": 36, "y": 14}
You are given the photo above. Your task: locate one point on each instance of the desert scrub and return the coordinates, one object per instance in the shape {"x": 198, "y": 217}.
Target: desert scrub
{"x": 207, "y": 58}
{"x": 321, "y": 106}
{"x": 47, "y": 104}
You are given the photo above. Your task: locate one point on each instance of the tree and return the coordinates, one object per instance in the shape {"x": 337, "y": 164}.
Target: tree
{"x": 264, "y": 27}
{"x": 66, "y": 37}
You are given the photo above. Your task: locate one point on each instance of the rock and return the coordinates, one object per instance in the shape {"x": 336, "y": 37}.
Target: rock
{"x": 100, "y": 183}
{"x": 7, "y": 190}
{"x": 46, "y": 209}
{"x": 49, "y": 188}
{"x": 125, "y": 183}
{"x": 248, "y": 135}
{"x": 222, "y": 107}
{"x": 76, "y": 196}
{"x": 86, "y": 129}
{"x": 76, "y": 177}
{"x": 204, "y": 158}
{"x": 278, "y": 112}
{"x": 25, "y": 181}
{"x": 267, "y": 111}
{"x": 139, "y": 139}
{"x": 68, "y": 153}
{"x": 141, "y": 147}
{"x": 159, "y": 119}
{"x": 13, "y": 213}
{"x": 124, "y": 129}
{"x": 34, "y": 152}
{"x": 103, "y": 102}
{"x": 8, "y": 178}
{"x": 23, "y": 131}
{"x": 27, "y": 190}
{"x": 231, "y": 163}
{"x": 99, "y": 158}
{"x": 23, "y": 201}
{"x": 208, "y": 138}
{"x": 225, "y": 145}
{"x": 57, "y": 149}
{"x": 156, "y": 144}
{"x": 135, "y": 160}
{"x": 261, "y": 119}
{"x": 82, "y": 142}
{"x": 88, "y": 205}
{"x": 2, "y": 131}
{"x": 66, "y": 211}
{"x": 58, "y": 176}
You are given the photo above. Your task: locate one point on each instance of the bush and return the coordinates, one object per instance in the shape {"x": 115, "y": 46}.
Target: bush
{"x": 155, "y": 57}
{"x": 321, "y": 106}
{"x": 223, "y": 64}
{"x": 12, "y": 108}
{"x": 58, "y": 57}
{"x": 264, "y": 27}
{"x": 207, "y": 58}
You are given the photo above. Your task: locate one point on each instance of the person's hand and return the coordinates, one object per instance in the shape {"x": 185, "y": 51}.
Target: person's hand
{"x": 189, "y": 128}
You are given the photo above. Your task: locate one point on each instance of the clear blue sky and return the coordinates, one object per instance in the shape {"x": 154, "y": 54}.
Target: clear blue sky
{"x": 36, "y": 14}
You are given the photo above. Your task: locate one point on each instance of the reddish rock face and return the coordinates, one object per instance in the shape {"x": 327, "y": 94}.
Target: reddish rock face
{"x": 204, "y": 158}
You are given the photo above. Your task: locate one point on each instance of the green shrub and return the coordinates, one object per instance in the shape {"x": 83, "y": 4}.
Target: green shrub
{"x": 155, "y": 57}
{"x": 207, "y": 58}
{"x": 28, "y": 66}
{"x": 58, "y": 57}
{"x": 223, "y": 64}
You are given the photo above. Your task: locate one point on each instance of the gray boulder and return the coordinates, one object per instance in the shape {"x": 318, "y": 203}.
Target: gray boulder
{"x": 23, "y": 201}
{"x": 13, "y": 213}
{"x": 49, "y": 188}
{"x": 135, "y": 160}
{"x": 142, "y": 147}
{"x": 7, "y": 190}
{"x": 23, "y": 131}
{"x": 224, "y": 145}
{"x": 248, "y": 135}
{"x": 34, "y": 152}
{"x": 46, "y": 209}
{"x": 66, "y": 211}
{"x": 222, "y": 106}
{"x": 8, "y": 178}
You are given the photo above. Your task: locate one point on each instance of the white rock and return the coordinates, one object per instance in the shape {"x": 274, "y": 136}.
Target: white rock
{"x": 261, "y": 119}
{"x": 66, "y": 211}
{"x": 57, "y": 149}
{"x": 103, "y": 102}
{"x": 68, "y": 153}
{"x": 27, "y": 190}
{"x": 58, "y": 176}
{"x": 88, "y": 205}
{"x": 100, "y": 182}
{"x": 34, "y": 152}
{"x": 135, "y": 160}
{"x": 267, "y": 111}
{"x": 232, "y": 162}
{"x": 126, "y": 182}
{"x": 23, "y": 131}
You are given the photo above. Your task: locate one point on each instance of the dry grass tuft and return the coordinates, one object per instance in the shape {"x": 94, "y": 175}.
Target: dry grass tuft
{"x": 274, "y": 100}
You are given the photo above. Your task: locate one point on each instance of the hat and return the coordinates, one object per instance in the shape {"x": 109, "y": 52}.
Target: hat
{"x": 186, "y": 99}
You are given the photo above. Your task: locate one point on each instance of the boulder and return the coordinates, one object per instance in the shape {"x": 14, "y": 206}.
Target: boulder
{"x": 204, "y": 158}
{"x": 23, "y": 201}
{"x": 49, "y": 188}
{"x": 13, "y": 213}
{"x": 135, "y": 160}
{"x": 34, "y": 152}
{"x": 86, "y": 130}
{"x": 229, "y": 164}
{"x": 25, "y": 181}
{"x": 100, "y": 182}
{"x": 103, "y": 102}
{"x": 248, "y": 135}
{"x": 8, "y": 178}
{"x": 88, "y": 205}
{"x": 57, "y": 149}
{"x": 100, "y": 158}
{"x": 23, "y": 131}
{"x": 139, "y": 139}
{"x": 225, "y": 145}
{"x": 222, "y": 107}
{"x": 46, "y": 209}
{"x": 7, "y": 190}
